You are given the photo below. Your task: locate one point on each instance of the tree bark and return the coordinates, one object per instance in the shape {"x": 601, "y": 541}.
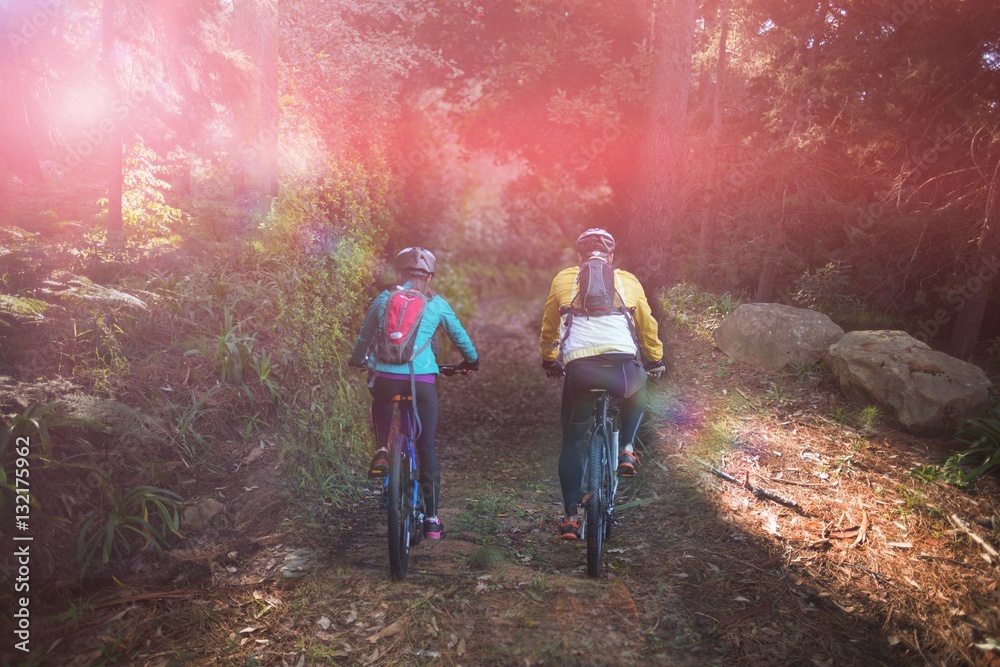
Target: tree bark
{"x": 269, "y": 98}
{"x": 16, "y": 148}
{"x": 116, "y": 174}
{"x": 255, "y": 33}
{"x": 706, "y": 239}
{"x": 656, "y": 198}
{"x": 968, "y": 322}
{"x": 965, "y": 332}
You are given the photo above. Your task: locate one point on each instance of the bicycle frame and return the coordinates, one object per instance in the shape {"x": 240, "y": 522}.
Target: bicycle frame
{"x": 402, "y": 496}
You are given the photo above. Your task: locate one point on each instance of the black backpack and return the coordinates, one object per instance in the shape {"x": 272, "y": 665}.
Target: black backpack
{"x": 597, "y": 296}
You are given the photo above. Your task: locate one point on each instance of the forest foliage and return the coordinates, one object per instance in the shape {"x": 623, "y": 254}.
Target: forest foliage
{"x": 197, "y": 198}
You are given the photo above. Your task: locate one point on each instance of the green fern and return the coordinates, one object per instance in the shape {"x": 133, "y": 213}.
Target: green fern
{"x": 20, "y": 308}
{"x": 983, "y": 437}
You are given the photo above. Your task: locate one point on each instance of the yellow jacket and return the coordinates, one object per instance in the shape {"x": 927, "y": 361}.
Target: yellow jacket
{"x": 564, "y": 287}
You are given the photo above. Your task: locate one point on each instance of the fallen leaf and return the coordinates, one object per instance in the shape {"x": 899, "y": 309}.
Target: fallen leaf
{"x": 324, "y": 622}
{"x": 893, "y": 640}
{"x": 248, "y": 630}
{"x": 847, "y": 533}
{"x": 461, "y": 647}
{"x": 900, "y": 545}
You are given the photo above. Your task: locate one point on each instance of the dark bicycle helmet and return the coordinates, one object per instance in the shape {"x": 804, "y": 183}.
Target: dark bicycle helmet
{"x": 595, "y": 240}
{"x": 415, "y": 261}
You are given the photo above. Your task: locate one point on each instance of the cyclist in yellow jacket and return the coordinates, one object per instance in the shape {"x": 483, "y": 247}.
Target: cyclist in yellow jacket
{"x": 613, "y": 352}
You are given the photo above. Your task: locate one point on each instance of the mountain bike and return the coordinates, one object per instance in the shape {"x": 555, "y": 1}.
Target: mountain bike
{"x": 600, "y": 480}
{"x": 401, "y": 493}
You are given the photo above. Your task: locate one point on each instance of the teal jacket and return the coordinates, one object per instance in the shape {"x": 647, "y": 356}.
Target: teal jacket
{"x": 437, "y": 313}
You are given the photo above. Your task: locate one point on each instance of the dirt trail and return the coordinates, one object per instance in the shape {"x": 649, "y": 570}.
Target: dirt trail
{"x": 502, "y": 590}
{"x": 688, "y": 583}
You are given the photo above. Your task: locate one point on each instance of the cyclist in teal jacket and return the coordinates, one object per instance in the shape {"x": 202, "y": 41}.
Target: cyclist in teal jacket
{"x": 415, "y": 268}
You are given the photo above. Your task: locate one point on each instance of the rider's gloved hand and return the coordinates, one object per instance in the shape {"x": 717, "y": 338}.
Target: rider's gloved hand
{"x": 469, "y": 365}
{"x": 655, "y": 368}
{"x": 553, "y": 368}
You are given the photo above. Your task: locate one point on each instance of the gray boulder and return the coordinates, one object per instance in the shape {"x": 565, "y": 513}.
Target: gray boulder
{"x": 926, "y": 391}
{"x": 771, "y": 335}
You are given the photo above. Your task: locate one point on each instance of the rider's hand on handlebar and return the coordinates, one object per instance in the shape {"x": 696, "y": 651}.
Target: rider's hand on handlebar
{"x": 655, "y": 368}
{"x": 467, "y": 366}
{"x": 553, "y": 369}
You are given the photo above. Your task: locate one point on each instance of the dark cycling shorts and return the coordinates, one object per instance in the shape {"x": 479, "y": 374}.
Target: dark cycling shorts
{"x": 620, "y": 374}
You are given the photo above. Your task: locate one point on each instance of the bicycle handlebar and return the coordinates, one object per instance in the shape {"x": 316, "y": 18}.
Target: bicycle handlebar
{"x": 451, "y": 370}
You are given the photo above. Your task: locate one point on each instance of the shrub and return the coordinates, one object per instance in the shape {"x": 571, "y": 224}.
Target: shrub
{"x": 982, "y": 435}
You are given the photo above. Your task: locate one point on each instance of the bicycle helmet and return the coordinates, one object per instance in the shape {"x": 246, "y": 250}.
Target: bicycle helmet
{"x": 415, "y": 261}
{"x": 595, "y": 240}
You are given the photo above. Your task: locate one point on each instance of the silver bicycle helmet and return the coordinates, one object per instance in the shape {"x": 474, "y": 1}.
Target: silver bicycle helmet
{"x": 415, "y": 261}
{"x": 595, "y": 240}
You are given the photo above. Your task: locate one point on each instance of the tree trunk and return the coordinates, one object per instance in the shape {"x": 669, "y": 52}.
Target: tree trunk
{"x": 116, "y": 174}
{"x": 269, "y": 98}
{"x": 965, "y": 332}
{"x": 706, "y": 240}
{"x": 255, "y": 33}
{"x": 16, "y": 148}
{"x": 656, "y": 198}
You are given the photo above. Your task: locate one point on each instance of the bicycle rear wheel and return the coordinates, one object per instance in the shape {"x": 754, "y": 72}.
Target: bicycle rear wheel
{"x": 599, "y": 486}
{"x": 400, "y": 516}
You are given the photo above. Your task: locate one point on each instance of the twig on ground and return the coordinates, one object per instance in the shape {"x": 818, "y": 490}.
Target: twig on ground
{"x": 762, "y": 494}
{"x": 964, "y": 527}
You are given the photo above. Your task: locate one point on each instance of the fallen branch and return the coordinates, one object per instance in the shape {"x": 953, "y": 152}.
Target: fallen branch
{"x": 139, "y": 597}
{"x": 762, "y": 494}
{"x": 964, "y": 527}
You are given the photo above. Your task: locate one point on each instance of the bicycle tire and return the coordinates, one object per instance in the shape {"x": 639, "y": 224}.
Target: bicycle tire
{"x": 598, "y": 487}
{"x": 417, "y": 511}
{"x": 400, "y": 515}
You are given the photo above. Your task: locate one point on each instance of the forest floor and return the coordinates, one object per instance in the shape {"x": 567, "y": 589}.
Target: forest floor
{"x": 868, "y": 569}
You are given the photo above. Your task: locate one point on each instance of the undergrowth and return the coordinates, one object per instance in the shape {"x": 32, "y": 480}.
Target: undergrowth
{"x": 131, "y": 367}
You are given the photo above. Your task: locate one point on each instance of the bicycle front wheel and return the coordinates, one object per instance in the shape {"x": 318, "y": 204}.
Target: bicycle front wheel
{"x": 400, "y": 517}
{"x": 599, "y": 486}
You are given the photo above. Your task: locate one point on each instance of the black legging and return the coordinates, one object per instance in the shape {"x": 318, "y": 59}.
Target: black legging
{"x": 383, "y": 392}
{"x": 623, "y": 376}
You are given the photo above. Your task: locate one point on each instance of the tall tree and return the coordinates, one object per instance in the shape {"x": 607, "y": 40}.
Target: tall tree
{"x": 116, "y": 165}
{"x": 656, "y": 199}
{"x": 16, "y": 148}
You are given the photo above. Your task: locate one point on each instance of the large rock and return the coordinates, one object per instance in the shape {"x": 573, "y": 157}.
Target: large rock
{"x": 199, "y": 515}
{"x": 771, "y": 335}
{"x": 926, "y": 391}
